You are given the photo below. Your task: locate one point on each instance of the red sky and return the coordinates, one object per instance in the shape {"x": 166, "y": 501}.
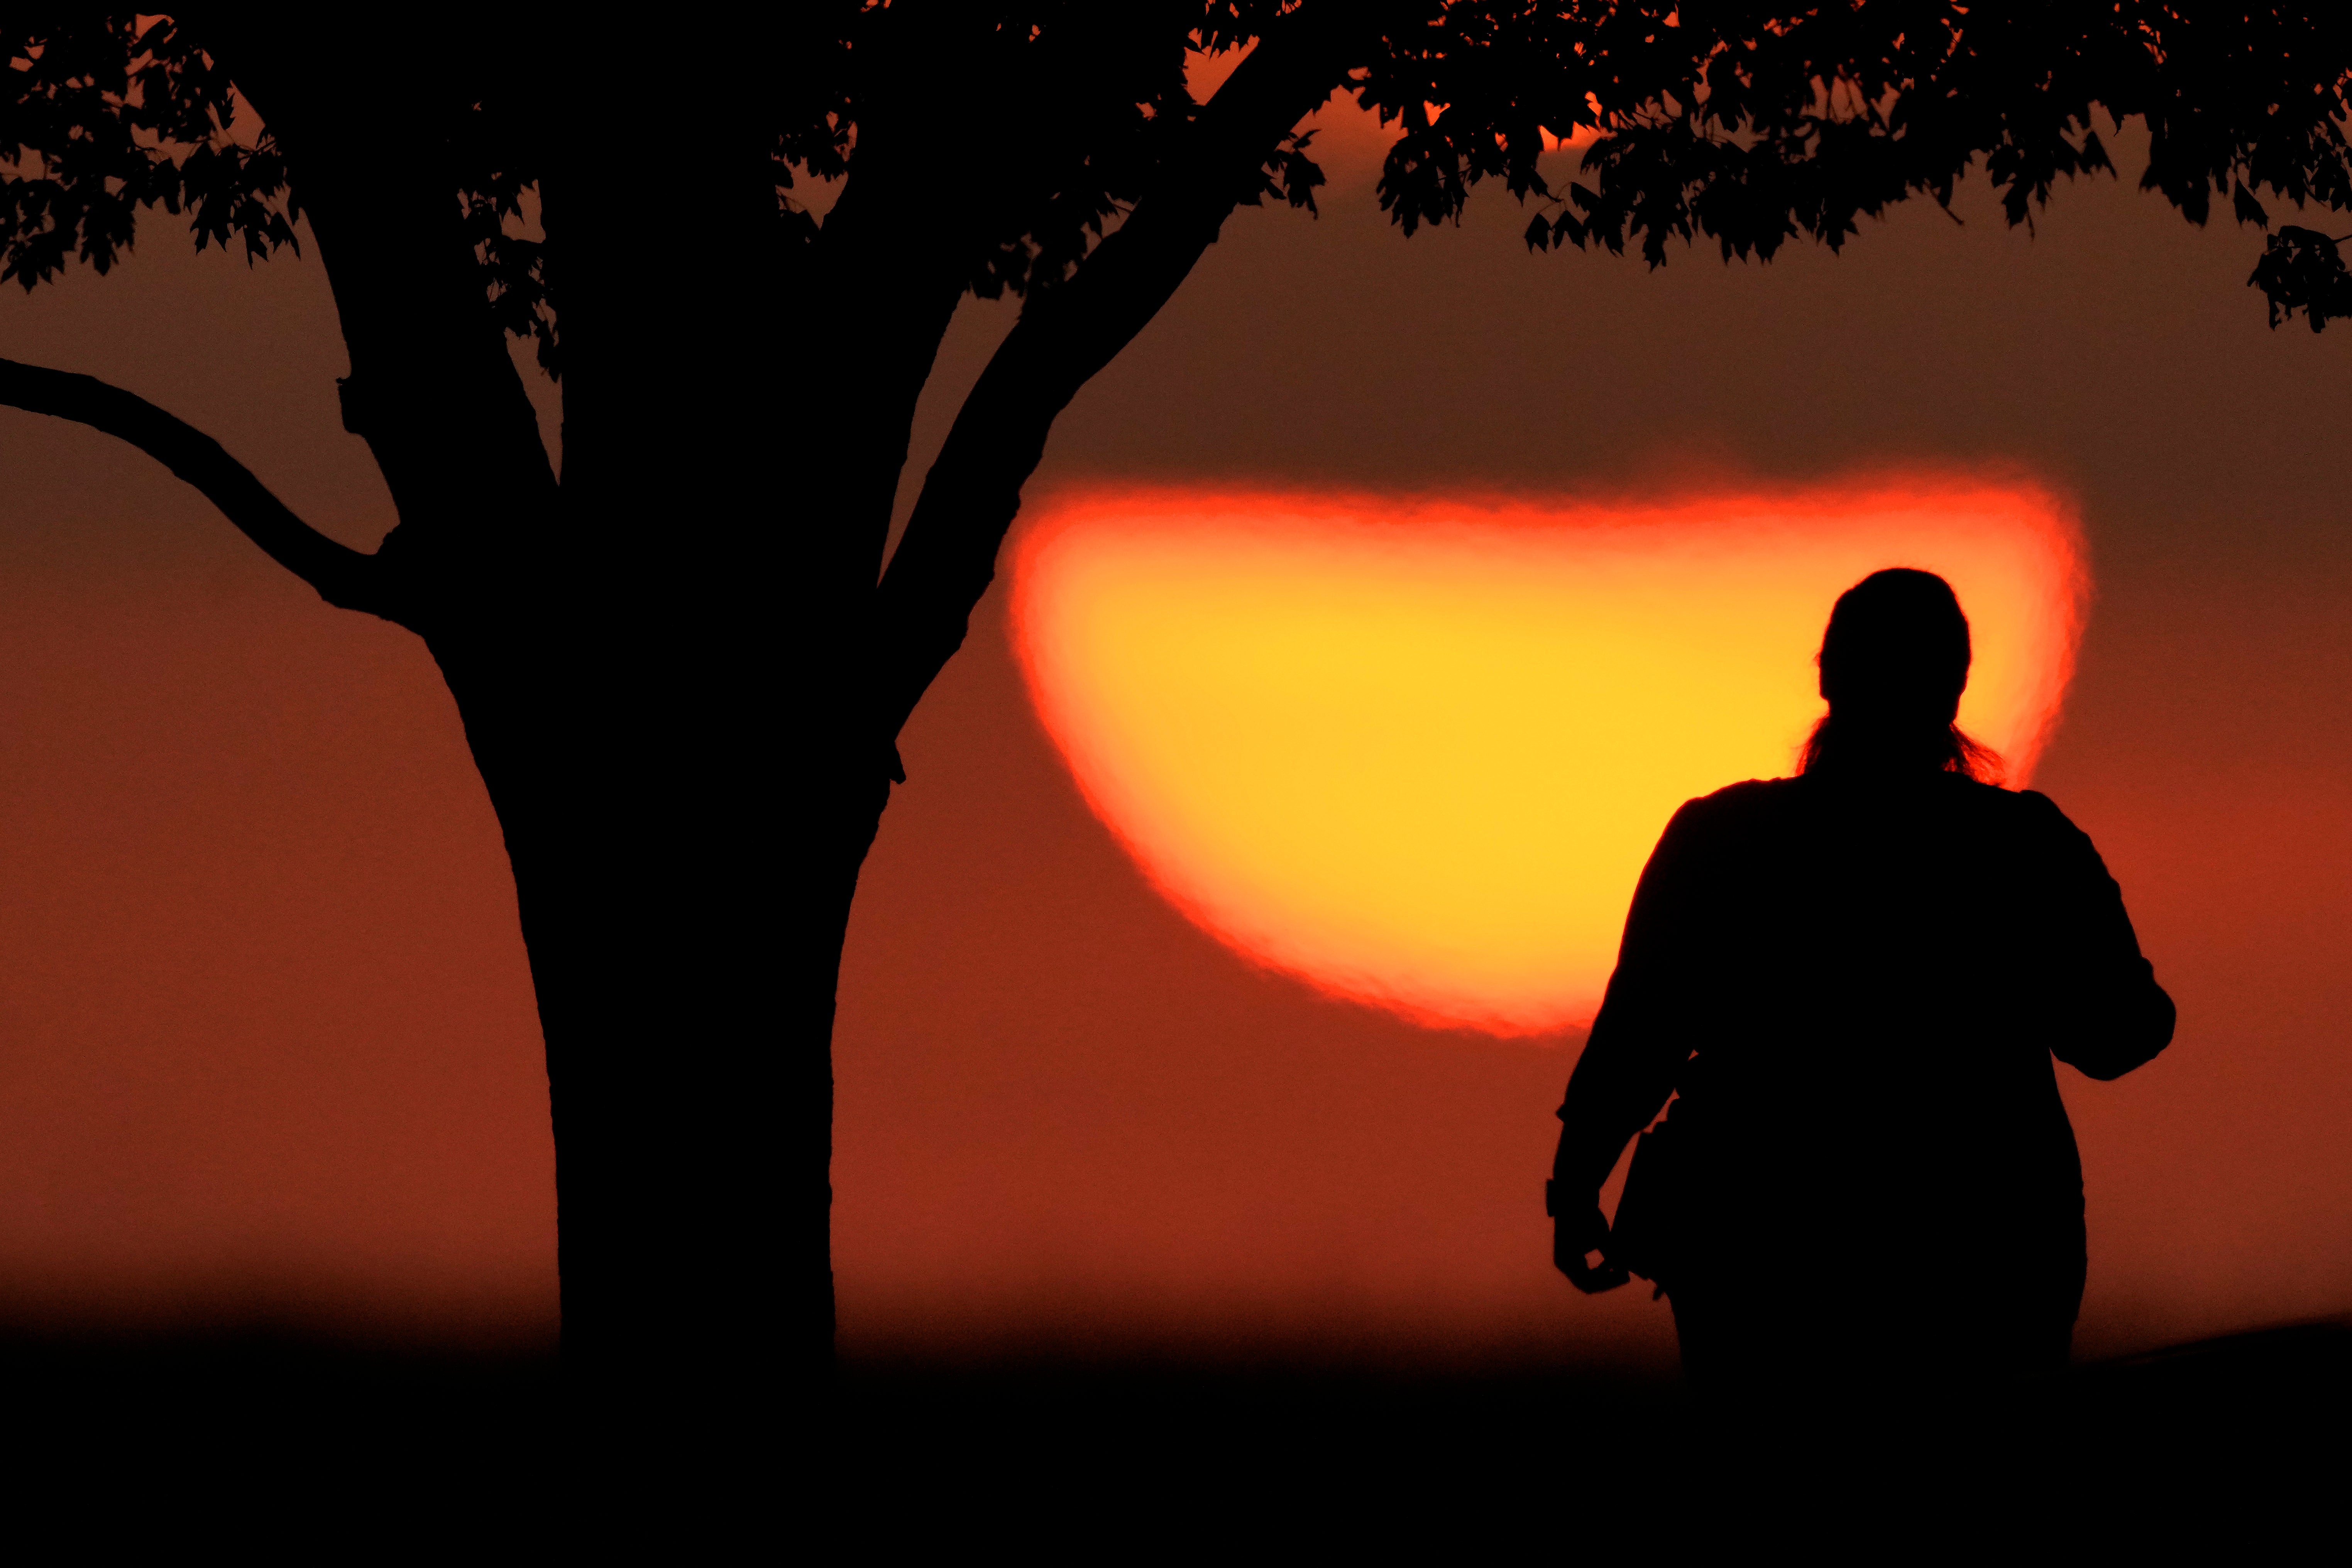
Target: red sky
{"x": 265, "y": 1046}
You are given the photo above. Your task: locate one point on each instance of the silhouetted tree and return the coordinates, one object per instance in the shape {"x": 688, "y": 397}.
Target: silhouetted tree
{"x": 683, "y": 672}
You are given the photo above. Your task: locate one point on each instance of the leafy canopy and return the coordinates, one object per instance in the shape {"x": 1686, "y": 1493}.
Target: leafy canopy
{"x": 105, "y": 114}
{"x": 1750, "y": 125}
{"x": 101, "y": 115}
{"x": 1035, "y": 127}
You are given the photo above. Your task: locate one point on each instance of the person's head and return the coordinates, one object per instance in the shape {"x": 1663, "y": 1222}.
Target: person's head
{"x": 1893, "y": 663}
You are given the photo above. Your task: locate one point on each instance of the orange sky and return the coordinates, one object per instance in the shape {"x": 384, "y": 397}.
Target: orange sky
{"x": 265, "y": 1045}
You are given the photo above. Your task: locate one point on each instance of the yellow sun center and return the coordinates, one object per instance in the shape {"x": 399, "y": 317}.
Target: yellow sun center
{"x": 1415, "y": 753}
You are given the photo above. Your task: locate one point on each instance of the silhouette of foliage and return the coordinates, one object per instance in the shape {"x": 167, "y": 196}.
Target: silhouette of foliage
{"x": 1081, "y": 105}
{"x": 107, "y": 114}
{"x": 514, "y": 265}
{"x": 1751, "y": 125}
{"x": 2302, "y": 269}
{"x": 1748, "y": 125}
{"x": 112, "y": 113}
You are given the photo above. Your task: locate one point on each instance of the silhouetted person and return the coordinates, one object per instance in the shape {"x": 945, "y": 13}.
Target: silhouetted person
{"x": 1854, "y": 981}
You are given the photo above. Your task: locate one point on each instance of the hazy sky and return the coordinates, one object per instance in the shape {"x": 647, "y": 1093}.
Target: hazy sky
{"x": 265, "y": 1046}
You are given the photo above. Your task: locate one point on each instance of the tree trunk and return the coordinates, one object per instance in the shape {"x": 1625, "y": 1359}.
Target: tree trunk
{"x": 684, "y": 738}
{"x": 611, "y": 647}
{"x": 652, "y": 792}
{"x": 640, "y": 859}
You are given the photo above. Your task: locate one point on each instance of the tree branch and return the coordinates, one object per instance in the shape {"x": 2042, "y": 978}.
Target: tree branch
{"x": 890, "y": 291}
{"x": 947, "y": 558}
{"x": 344, "y": 578}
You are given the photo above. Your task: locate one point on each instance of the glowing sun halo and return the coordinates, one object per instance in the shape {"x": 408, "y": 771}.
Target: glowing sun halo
{"x": 1415, "y": 751}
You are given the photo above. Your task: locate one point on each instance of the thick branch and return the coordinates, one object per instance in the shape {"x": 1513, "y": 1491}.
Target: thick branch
{"x": 969, "y": 500}
{"x": 890, "y": 292}
{"x": 343, "y": 576}
{"x": 890, "y": 263}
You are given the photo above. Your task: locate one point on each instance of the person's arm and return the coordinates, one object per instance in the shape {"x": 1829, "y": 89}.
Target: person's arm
{"x": 2109, "y": 1013}
{"x": 1636, "y": 1049}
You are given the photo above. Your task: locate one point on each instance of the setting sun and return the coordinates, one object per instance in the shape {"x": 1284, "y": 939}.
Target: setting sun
{"x": 1415, "y": 751}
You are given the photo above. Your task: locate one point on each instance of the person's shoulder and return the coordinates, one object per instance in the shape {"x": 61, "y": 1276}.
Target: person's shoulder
{"x": 1704, "y": 828}
{"x": 1746, "y": 801}
{"x": 2043, "y": 812}
{"x": 2024, "y": 810}
{"x": 2026, "y": 805}
{"x": 1748, "y": 795}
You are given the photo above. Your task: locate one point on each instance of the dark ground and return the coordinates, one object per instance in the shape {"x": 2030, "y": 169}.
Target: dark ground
{"x": 2233, "y": 1441}
{"x": 258, "y": 1439}
{"x": 275, "y": 1445}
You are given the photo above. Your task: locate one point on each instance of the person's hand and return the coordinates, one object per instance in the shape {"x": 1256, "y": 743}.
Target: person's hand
{"x": 1580, "y": 1239}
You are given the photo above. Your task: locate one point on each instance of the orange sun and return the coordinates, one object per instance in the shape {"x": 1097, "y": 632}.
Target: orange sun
{"x": 1415, "y": 751}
